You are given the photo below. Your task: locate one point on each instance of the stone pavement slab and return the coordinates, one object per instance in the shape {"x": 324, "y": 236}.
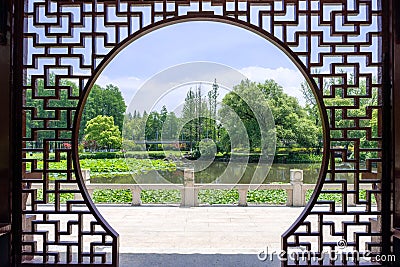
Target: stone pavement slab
{"x": 163, "y": 235}
{"x": 206, "y": 230}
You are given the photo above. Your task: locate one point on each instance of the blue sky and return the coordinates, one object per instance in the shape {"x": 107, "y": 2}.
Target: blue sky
{"x": 238, "y": 48}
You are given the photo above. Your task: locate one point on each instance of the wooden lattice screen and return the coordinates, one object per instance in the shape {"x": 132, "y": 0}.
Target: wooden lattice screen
{"x": 336, "y": 45}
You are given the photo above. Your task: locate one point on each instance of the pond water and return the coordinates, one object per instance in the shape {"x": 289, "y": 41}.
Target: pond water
{"x": 222, "y": 172}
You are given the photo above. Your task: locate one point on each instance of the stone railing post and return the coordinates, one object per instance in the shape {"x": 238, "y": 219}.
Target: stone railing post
{"x": 289, "y": 200}
{"x": 86, "y": 176}
{"x": 189, "y": 198}
{"x": 86, "y": 180}
{"x": 136, "y": 200}
{"x": 296, "y": 180}
{"x": 243, "y": 196}
{"x": 350, "y": 197}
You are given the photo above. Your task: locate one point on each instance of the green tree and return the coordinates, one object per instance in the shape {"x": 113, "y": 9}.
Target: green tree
{"x": 106, "y": 101}
{"x": 114, "y": 104}
{"x": 188, "y": 118}
{"x": 170, "y": 130}
{"x": 134, "y": 126}
{"x": 198, "y": 115}
{"x": 307, "y": 134}
{"x": 291, "y": 119}
{"x": 241, "y": 100}
{"x": 103, "y": 133}
{"x": 212, "y": 107}
{"x": 153, "y": 126}
{"x": 163, "y": 114}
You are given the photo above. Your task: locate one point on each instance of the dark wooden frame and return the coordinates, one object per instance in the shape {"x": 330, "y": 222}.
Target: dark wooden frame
{"x": 394, "y": 38}
{"x": 5, "y": 137}
{"x": 19, "y": 66}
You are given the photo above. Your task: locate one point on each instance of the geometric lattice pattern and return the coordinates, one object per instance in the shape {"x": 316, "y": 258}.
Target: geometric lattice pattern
{"x": 336, "y": 44}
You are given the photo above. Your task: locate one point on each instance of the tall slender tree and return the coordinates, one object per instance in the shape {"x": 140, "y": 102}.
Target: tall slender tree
{"x": 188, "y": 111}
{"x": 213, "y": 109}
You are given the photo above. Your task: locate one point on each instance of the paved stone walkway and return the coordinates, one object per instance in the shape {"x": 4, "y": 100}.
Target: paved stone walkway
{"x": 204, "y": 236}
{"x": 205, "y": 230}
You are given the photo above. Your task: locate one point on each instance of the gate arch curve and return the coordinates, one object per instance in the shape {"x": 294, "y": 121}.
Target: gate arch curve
{"x": 283, "y": 15}
{"x": 235, "y": 22}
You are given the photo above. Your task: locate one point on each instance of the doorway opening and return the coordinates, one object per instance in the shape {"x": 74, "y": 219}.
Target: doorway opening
{"x": 246, "y": 130}
{"x": 337, "y": 51}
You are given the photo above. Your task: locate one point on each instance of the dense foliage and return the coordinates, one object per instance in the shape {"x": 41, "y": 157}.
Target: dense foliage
{"x": 106, "y": 101}
{"x": 296, "y": 126}
{"x": 100, "y": 132}
{"x": 197, "y": 122}
{"x": 248, "y": 104}
{"x": 293, "y": 125}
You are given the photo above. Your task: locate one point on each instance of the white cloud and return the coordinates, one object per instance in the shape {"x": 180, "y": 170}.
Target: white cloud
{"x": 289, "y": 79}
{"x": 128, "y": 85}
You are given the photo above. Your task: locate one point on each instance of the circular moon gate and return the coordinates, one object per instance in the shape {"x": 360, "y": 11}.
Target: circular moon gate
{"x": 334, "y": 45}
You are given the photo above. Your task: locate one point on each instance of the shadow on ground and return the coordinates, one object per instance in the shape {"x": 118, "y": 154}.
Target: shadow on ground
{"x": 194, "y": 260}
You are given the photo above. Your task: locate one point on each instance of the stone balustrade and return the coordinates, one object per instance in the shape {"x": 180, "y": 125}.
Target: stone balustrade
{"x": 296, "y": 189}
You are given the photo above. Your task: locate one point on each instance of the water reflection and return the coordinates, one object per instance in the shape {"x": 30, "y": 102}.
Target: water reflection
{"x": 279, "y": 173}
